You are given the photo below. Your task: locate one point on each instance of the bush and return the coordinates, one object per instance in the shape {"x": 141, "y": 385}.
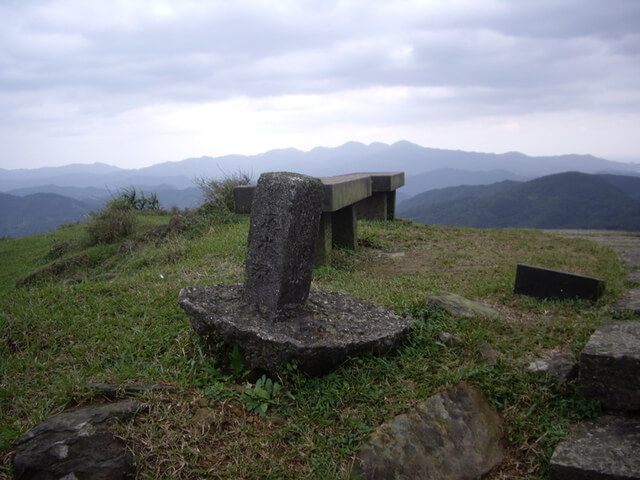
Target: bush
{"x": 218, "y": 205}
{"x": 131, "y": 198}
{"x": 112, "y": 224}
{"x": 219, "y": 193}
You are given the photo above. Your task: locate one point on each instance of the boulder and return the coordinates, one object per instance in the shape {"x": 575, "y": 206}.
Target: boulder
{"x": 454, "y": 435}
{"x": 76, "y": 445}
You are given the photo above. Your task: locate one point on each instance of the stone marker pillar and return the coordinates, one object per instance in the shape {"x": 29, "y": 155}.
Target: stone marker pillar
{"x": 285, "y": 218}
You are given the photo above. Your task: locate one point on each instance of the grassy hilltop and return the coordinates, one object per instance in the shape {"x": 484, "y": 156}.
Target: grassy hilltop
{"x": 110, "y": 314}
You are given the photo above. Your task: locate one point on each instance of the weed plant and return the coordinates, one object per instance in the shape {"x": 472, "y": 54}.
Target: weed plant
{"x": 211, "y": 418}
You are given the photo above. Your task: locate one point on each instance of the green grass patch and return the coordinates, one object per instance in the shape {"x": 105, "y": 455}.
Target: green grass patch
{"x": 115, "y": 318}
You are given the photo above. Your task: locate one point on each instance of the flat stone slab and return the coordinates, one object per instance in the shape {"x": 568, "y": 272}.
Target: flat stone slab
{"x": 546, "y": 283}
{"x": 454, "y": 435}
{"x": 605, "y": 448}
{"x": 76, "y": 445}
{"x": 610, "y": 365}
{"x": 317, "y": 335}
{"x": 459, "y": 306}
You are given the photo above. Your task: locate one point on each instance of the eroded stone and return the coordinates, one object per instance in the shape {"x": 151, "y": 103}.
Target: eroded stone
{"x": 285, "y": 218}
{"x": 317, "y": 335}
{"x": 454, "y": 435}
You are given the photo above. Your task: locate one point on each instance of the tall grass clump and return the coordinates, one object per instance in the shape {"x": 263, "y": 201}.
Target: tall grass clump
{"x": 217, "y": 194}
{"x": 113, "y": 223}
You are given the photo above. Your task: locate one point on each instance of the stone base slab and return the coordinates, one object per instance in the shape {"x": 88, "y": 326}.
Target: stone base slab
{"x": 610, "y": 366}
{"x": 317, "y": 336}
{"x": 605, "y": 448}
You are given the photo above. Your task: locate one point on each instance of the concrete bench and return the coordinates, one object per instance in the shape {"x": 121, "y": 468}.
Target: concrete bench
{"x": 347, "y": 198}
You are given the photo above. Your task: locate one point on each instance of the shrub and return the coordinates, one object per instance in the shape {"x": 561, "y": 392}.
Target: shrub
{"x": 112, "y": 224}
{"x": 131, "y": 198}
{"x": 218, "y": 205}
{"x": 219, "y": 193}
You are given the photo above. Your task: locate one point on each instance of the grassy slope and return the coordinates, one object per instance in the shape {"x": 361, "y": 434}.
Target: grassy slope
{"x": 121, "y": 323}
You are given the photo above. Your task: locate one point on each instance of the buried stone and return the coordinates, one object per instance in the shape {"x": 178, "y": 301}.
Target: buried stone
{"x": 274, "y": 317}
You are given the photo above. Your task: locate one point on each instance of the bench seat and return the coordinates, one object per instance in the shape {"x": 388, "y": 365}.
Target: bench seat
{"x": 347, "y": 198}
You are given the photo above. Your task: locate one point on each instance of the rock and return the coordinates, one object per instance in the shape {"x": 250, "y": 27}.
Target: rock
{"x": 285, "y": 219}
{"x": 317, "y": 335}
{"x": 449, "y": 340}
{"x": 76, "y": 445}
{"x": 560, "y": 365}
{"x": 610, "y": 366}
{"x": 630, "y": 302}
{"x": 461, "y": 307}
{"x": 454, "y": 435}
{"x": 489, "y": 354}
{"x": 605, "y": 448}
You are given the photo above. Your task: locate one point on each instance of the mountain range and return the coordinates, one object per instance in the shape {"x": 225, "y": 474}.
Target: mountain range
{"x": 565, "y": 200}
{"x": 91, "y": 185}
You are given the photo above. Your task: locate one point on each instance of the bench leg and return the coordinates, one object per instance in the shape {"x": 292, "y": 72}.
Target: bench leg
{"x": 345, "y": 227}
{"x": 391, "y": 205}
{"x": 322, "y": 254}
{"x": 373, "y": 207}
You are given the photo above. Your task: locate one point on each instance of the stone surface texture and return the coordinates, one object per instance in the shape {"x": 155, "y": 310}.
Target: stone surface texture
{"x": 459, "y": 306}
{"x": 605, "y": 448}
{"x": 317, "y": 335}
{"x": 285, "y": 217}
{"x": 541, "y": 282}
{"x": 454, "y": 435}
{"x": 610, "y": 365}
{"x": 76, "y": 445}
{"x": 562, "y": 366}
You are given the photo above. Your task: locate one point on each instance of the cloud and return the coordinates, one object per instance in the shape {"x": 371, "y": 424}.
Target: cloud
{"x": 69, "y": 66}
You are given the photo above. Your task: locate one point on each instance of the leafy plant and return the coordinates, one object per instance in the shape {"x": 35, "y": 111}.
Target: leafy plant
{"x": 264, "y": 393}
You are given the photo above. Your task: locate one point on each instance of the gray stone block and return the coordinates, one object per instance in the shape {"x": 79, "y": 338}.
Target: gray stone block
{"x": 601, "y": 449}
{"x": 546, "y": 283}
{"x": 285, "y": 218}
{"x": 610, "y": 366}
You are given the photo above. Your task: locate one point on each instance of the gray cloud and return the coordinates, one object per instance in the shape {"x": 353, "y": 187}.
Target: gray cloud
{"x": 101, "y": 58}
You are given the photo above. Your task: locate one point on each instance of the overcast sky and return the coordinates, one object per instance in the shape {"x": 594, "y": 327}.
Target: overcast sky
{"x": 135, "y": 82}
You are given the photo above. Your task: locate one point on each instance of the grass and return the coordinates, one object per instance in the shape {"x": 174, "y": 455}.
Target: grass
{"x": 115, "y": 318}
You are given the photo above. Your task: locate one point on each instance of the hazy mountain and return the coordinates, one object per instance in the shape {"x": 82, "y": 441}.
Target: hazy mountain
{"x": 38, "y": 213}
{"x": 451, "y": 177}
{"x": 566, "y": 200}
{"x": 321, "y": 161}
{"x": 96, "y": 197}
{"x": 449, "y": 194}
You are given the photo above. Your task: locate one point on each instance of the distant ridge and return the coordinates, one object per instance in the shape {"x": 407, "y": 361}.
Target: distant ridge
{"x": 565, "y": 200}
{"x": 38, "y": 213}
{"x": 408, "y": 157}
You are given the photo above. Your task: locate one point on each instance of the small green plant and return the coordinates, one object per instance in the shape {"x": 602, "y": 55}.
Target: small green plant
{"x": 264, "y": 393}
{"x": 131, "y": 198}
